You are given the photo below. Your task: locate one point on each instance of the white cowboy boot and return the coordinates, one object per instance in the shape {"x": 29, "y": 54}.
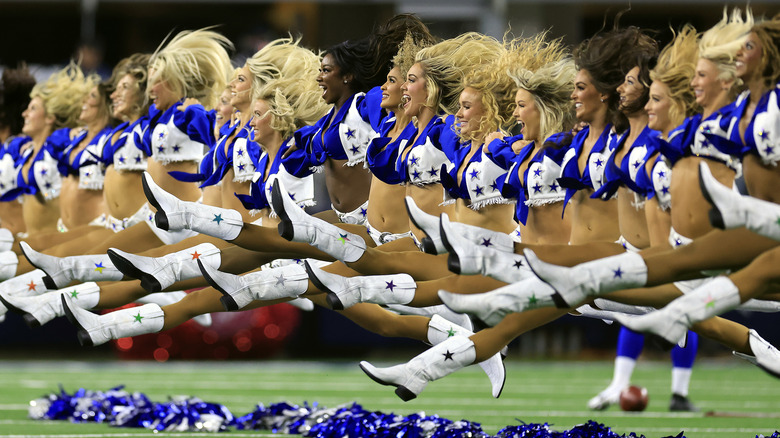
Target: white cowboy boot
{"x": 440, "y": 360}
{"x": 441, "y": 310}
{"x": 440, "y": 329}
{"x": 432, "y": 244}
{"x": 470, "y": 258}
{"x": 30, "y": 283}
{"x": 60, "y": 271}
{"x": 6, "y": 239}
{"x": 159, "y": 273}
{"x": 765, "y": 355}
{"x": 271, "y": 284}
{"x": 174, "y": 214}
{"x": 304, "y": 304}
{"x": 98, "y": 329}
{"x": 40, "y": 309}
{"x": 732, "y": 210}
{"x": 673, "y": 321}
{"x": 596, "y": 277}
{"x": 344, "y": 292}
{"x": 297, "y": 226}
{"x": 491, "y": 307}
{"x": 8, "y": 263}
{"x": 167, "y": 298}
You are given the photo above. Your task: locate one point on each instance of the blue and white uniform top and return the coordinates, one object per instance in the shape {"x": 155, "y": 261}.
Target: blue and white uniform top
{"x": 429, "y": 151}
{"x": 9, "y": 155}
{"x": 593, "y": 176}
{"x": 538, "y": 185}
{"x": 717, "y": 136}
{"x": 762, "y": 135}
{"x": 382, "y": 155}
{"x": 300, "y": 188}
{"x": 126, "y": 153}
{"x": 478, "y": 178}
{"x": 633, "y": 164}
{"x": 86, "y": 164}
{"x": 43, "y": 177}
{"x": 179, "y": 136}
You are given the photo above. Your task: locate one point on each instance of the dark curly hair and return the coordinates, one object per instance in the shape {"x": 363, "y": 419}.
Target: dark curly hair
{"x": 768, "y": 32}
{"x": 14, "y": 97}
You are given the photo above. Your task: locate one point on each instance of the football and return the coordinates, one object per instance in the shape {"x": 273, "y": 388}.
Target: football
{"x": 634, "y": 399}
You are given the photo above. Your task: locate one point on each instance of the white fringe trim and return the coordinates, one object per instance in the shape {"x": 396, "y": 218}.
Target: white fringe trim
{"x": 317, "y": 169}
{"x": 91, "y": 186}
{"x": 447, "y": 202}
{"x": 355, "y": 163}
{"x": 479, "y": 205}
{"x": 244, "y": 179}
{"x": 167, "y": 161}
{"x": 539, "y": 202}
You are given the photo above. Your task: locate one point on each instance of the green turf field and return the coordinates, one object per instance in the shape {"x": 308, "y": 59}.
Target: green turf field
{"x": 747, "y": 399}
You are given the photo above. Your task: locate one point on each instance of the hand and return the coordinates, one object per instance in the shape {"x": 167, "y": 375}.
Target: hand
{"x": 293, "y": 148}
{"x": 579, "y": 126}
{"x": 519, "y": 145}
{"x": 187, "y": 102}
{"x": 489, "y": 139}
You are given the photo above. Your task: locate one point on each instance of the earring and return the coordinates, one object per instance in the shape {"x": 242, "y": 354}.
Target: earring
{"x": 602, "y": 100}
{"x": 346, "y": 81}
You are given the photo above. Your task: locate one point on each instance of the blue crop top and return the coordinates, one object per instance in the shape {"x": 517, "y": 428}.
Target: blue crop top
{"x": 571, "y": 179}
{"x": 9, "y": 155}
{"x": 763, "y": 132}
{"x": 633, "y": 163}
{"x": 478, "y": 179}
{"x": 429, "y": 152}
{"x": 178, "y": 135}
{"x": 126, "y": 153}
{"x": 382, "y": 153}
{"x": 43, "y": 177}
{"x": 86, "y": 164}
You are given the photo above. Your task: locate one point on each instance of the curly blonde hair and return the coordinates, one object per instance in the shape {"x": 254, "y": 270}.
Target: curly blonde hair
{"x": 495, "y": 89}
{"x": 446, "y": 64}
{"x": 193, "y": 64}
{"x": 284, "y": 77}
{"x": 545, "y": 70}
{"x": 63, "y": 94}
{"x": 675, "y": 69}
{"x": 721, "y": 43}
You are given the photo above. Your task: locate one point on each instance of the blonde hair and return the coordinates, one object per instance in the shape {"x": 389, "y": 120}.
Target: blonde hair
{"x": 407, "y": 51}
{"x": 495, "y": 89}
{"x": 446, "y": 64}
{"x": 284, "y": 76}
{"x": 675, "y": 69}
{"x": 545, "y": 70}
{"x": 63, "y": 94}
{"x": 721, "y": 43}
{"x": 194, "y": 64}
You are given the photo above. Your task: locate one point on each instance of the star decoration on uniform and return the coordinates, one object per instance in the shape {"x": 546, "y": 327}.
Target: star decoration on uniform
{"x": 637, "y": 163}
{"x": 451, "y": 332}
{"x": 618, "y": 273}
{"x": 280, "y": 280}
{"x": 121, "y": 159}
{"x": 292, "y": 195}
{"x": 709, "y": 302}
{"x": 87, "y": 173}
{"x": 343, "y": 238}
{"x": 176, "y": 148}
{"x": 763, "y": 134}
{"x": 240, "y": 152}
{"x": 138, "y": 159}
{"x": 661, "y": 174}
{"x": 74, "y": 294}
{"x": 31, "y": 286}
{"x": 494, "y": 186}
{"x": 160, "y": 149}
{"x": 413, "y": 161}
{"x": 161, "y": 135}
{"x": 217, "y": 218}
{"x": 44, "y": 171}
{"x": 665, "y": 190}
{"x": 350, "y": 133}
{"x": 434, "y": 171}
{"x": 486, "y": 243}
{"x": 532, "y": 300}
{"x": 99, "y": 267}
{"x": 47, "y": 185}
{"x": 195, "y": 255}
{"x": 769, "y": 150}
{"x": 241, "y": 167}
{"x": 677, "y": 242}
{"x": 354, "y": 149}
{"x": 448, "y": 355}
{"x": 538, "y": 172}
{"x": 599, "y": 162}
{"x": 363, "y": 211}
{"x": 707, "y": 129}
{"x": 390, "y": 285}
{"x": 553, "y": 187}
{"x": 518, "y": 263}
{"x": 474, "y": 173}
{"x": 416, "y": 175}
{"x": 478, "y": 191}
{"x": 138, "y": 318}
{"x": 537, "y": 188}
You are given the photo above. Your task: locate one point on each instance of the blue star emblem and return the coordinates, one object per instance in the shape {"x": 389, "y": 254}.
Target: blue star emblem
{"x": 240, "y": 152}
{"x": 474, "y": 173}
{"x": 241, "y": 167}
{"x": 677, "y": 242}
{"x": 160, "y": 149}
{"x": 763, "y": 134}
{"x": 416, "y": 175}
{"x": 518, "y": 263}
{"x": 661, "y": 174}
{"x": 44, "y": 171}
{"x": 637, "y": 163}
{"x": 47, "y": 185}
{"x": 292, "y": 195}
{"x": 121, "y": 159}
{"x": 599, "y": 162}
{"x": 354, "y": 149}
{"x": 486, "y": 243}
{"x": 390, "y": 285}
{"x": 217, "y": 218}
{"x": 665, "y": 190}
{"x": 537, "y": 188}
{"x": 161, "y": 135}
{"x": 478, "y": 191}
{"x": 618, "y": 273}
{"x": 769, "y": 150}
{"x": 363, "y": 211}
{"x": 138, "y": 159}
{"x": 413, "y": 161}
{"x": 176, "y": 148}
{"x": 350, "y": 133}
{"x": 538, "y": 172}
{"x": 553, "y": 187}
{"x": 433, "y": 171}
{"x": 494, "y": 186}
